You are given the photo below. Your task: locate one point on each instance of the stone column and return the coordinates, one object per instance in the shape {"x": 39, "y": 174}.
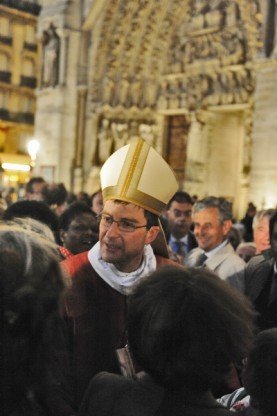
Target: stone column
{"x": 63, "y": 35}
{"x": 79, "y": 141}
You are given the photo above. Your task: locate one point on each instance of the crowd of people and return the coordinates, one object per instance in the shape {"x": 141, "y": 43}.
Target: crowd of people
{"x": 139, "y": 300}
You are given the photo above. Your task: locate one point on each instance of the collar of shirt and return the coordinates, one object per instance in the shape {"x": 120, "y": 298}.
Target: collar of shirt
{"x": 216, "y": 249}
{"x": 184, "y": 239}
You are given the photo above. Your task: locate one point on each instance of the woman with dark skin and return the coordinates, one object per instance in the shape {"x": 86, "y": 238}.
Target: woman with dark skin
{"x": 78, "y": 228}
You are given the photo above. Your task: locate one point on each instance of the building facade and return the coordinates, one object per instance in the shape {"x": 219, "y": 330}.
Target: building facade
{"x": 195, "y": 78}
{"x": 18, "y": 78}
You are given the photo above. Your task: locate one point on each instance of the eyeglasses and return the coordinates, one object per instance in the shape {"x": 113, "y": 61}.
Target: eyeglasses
{"x": 123, "y": 225}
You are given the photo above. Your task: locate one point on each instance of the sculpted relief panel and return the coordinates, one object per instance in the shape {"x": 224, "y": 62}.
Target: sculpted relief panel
{"x": 174, "y": 54}
{"x": 134, "y": 37}
{"x": 210, "y": 61}
{"x": 149, "y": 57}
{"x": 115, "y": 133}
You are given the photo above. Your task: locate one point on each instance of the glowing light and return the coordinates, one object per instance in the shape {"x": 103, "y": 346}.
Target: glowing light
{"x": 16, "y": 167}
{"x": 33, "y": 148}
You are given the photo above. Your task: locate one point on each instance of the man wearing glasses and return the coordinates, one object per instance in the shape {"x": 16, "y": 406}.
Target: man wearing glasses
{"x": 137, "y": 185}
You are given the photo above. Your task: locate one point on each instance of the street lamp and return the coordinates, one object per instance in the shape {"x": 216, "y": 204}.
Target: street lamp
{"x": 33, "y": 148}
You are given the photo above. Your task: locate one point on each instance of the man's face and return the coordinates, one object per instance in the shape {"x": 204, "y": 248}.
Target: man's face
{"x": 36, "y": 195}
{"x": 179, "y": 218}
{"x": 81, "y": 234}
{"x": 124, "y": 249}
{"x": 261, "y": 235}
{"x": 273, "y": 241}
{"x": 208, "y": 229}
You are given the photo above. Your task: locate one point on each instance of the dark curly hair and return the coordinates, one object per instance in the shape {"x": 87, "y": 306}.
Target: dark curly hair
{"x": 186, "y": 326}
{"x": 74, "y": 210}
{"x": 30, "y": 289}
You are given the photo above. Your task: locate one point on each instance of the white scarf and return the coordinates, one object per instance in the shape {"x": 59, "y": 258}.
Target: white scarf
{"x": 120, "y": 281}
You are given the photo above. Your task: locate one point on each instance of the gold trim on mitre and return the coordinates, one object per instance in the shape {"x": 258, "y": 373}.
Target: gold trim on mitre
{"x": 138, "y": 174}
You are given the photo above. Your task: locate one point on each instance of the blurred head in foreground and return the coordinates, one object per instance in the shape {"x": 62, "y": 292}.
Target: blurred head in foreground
{"x": 185, "y": 327}
{"x": 30, "y": 289}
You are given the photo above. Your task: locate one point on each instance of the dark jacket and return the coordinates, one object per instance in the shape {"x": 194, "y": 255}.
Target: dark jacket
{"x": 113, "y": 395}
{"x": 258, "y": 278}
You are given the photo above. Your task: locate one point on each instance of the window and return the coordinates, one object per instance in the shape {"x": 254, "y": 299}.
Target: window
{"x": 4, "y": 62}
{"x": 28, "y": 69}
{"x": 5, "y": 29}
{"x": 30, "y": 35}
{"x": 26, "y": 105}
{"x": 3, "y": 99}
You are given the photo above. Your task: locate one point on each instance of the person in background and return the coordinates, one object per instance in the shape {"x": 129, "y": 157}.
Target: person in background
{"x": 258, "y": 396}
{"x": 30, "y": 289}
{"x": 260, "y": 375}
{"x": 185, "y": 327}
{"x": 234, "y": 237}
{"x": 34, "y": 188}
{"x": 83, "y": 197}
{"x": 261, "y": 230}
{"x": 181, "y": 239}
{"x": 79, "y": 229}
{"x": 246, "y": 251}
{"x": 55, "y": 196}
{"x": 36, "y": 210}
{"x": 261, "y": 281}
{"x": 247, "y": 222}
{"x": 212, "y": 219}
{"x": 97, "y": 202}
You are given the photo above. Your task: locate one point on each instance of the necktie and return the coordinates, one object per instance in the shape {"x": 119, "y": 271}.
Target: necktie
{"x": 178, "y": 247}
{"x": 201, "y": 259}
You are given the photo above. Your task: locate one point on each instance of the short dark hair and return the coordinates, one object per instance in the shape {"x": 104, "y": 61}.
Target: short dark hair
{"x": 152, "y": 219}
{"x": 32, "y": 181}
{"x": 260, "y": 374}
{"x": 37, "y": 210}
{"x": 54, "y": 194}
{"x": 181, "y": 197}
{"x": 74, "y": 210}
{"x": 185, "y": 327}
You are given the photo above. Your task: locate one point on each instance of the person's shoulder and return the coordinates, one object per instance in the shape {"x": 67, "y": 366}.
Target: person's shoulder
{"x": 74, "y": 263}
{"x": 258, "y": 259}
{"x": 104, "y": 378}
{"x": 103, "y": 391}
{"x": 257, "y": 262}
{"x": 234, "y": 258}
{"x": 163, "y": 261}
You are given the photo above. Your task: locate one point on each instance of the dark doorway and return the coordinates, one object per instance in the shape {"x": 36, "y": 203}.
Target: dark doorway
{"x": 176, "y": 145}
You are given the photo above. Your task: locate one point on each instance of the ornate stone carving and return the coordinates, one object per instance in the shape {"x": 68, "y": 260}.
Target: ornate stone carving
{"x": 115, "y": 133}
{"x": 105, "y": 141}
{"x": 207, "y": 62}
{"x": 51, "y": 50}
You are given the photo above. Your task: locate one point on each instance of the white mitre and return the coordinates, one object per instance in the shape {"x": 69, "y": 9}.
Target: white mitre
{"x": 137, "y": 173}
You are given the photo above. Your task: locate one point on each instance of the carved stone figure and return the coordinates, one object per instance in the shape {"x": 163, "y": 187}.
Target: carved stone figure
{"x": 51, "y": 51}
{"x": 120, "y": 134}
{"x": 148, "y": 133}
{"x": 108, "y": 90}
{"x": 105, "y": 141}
